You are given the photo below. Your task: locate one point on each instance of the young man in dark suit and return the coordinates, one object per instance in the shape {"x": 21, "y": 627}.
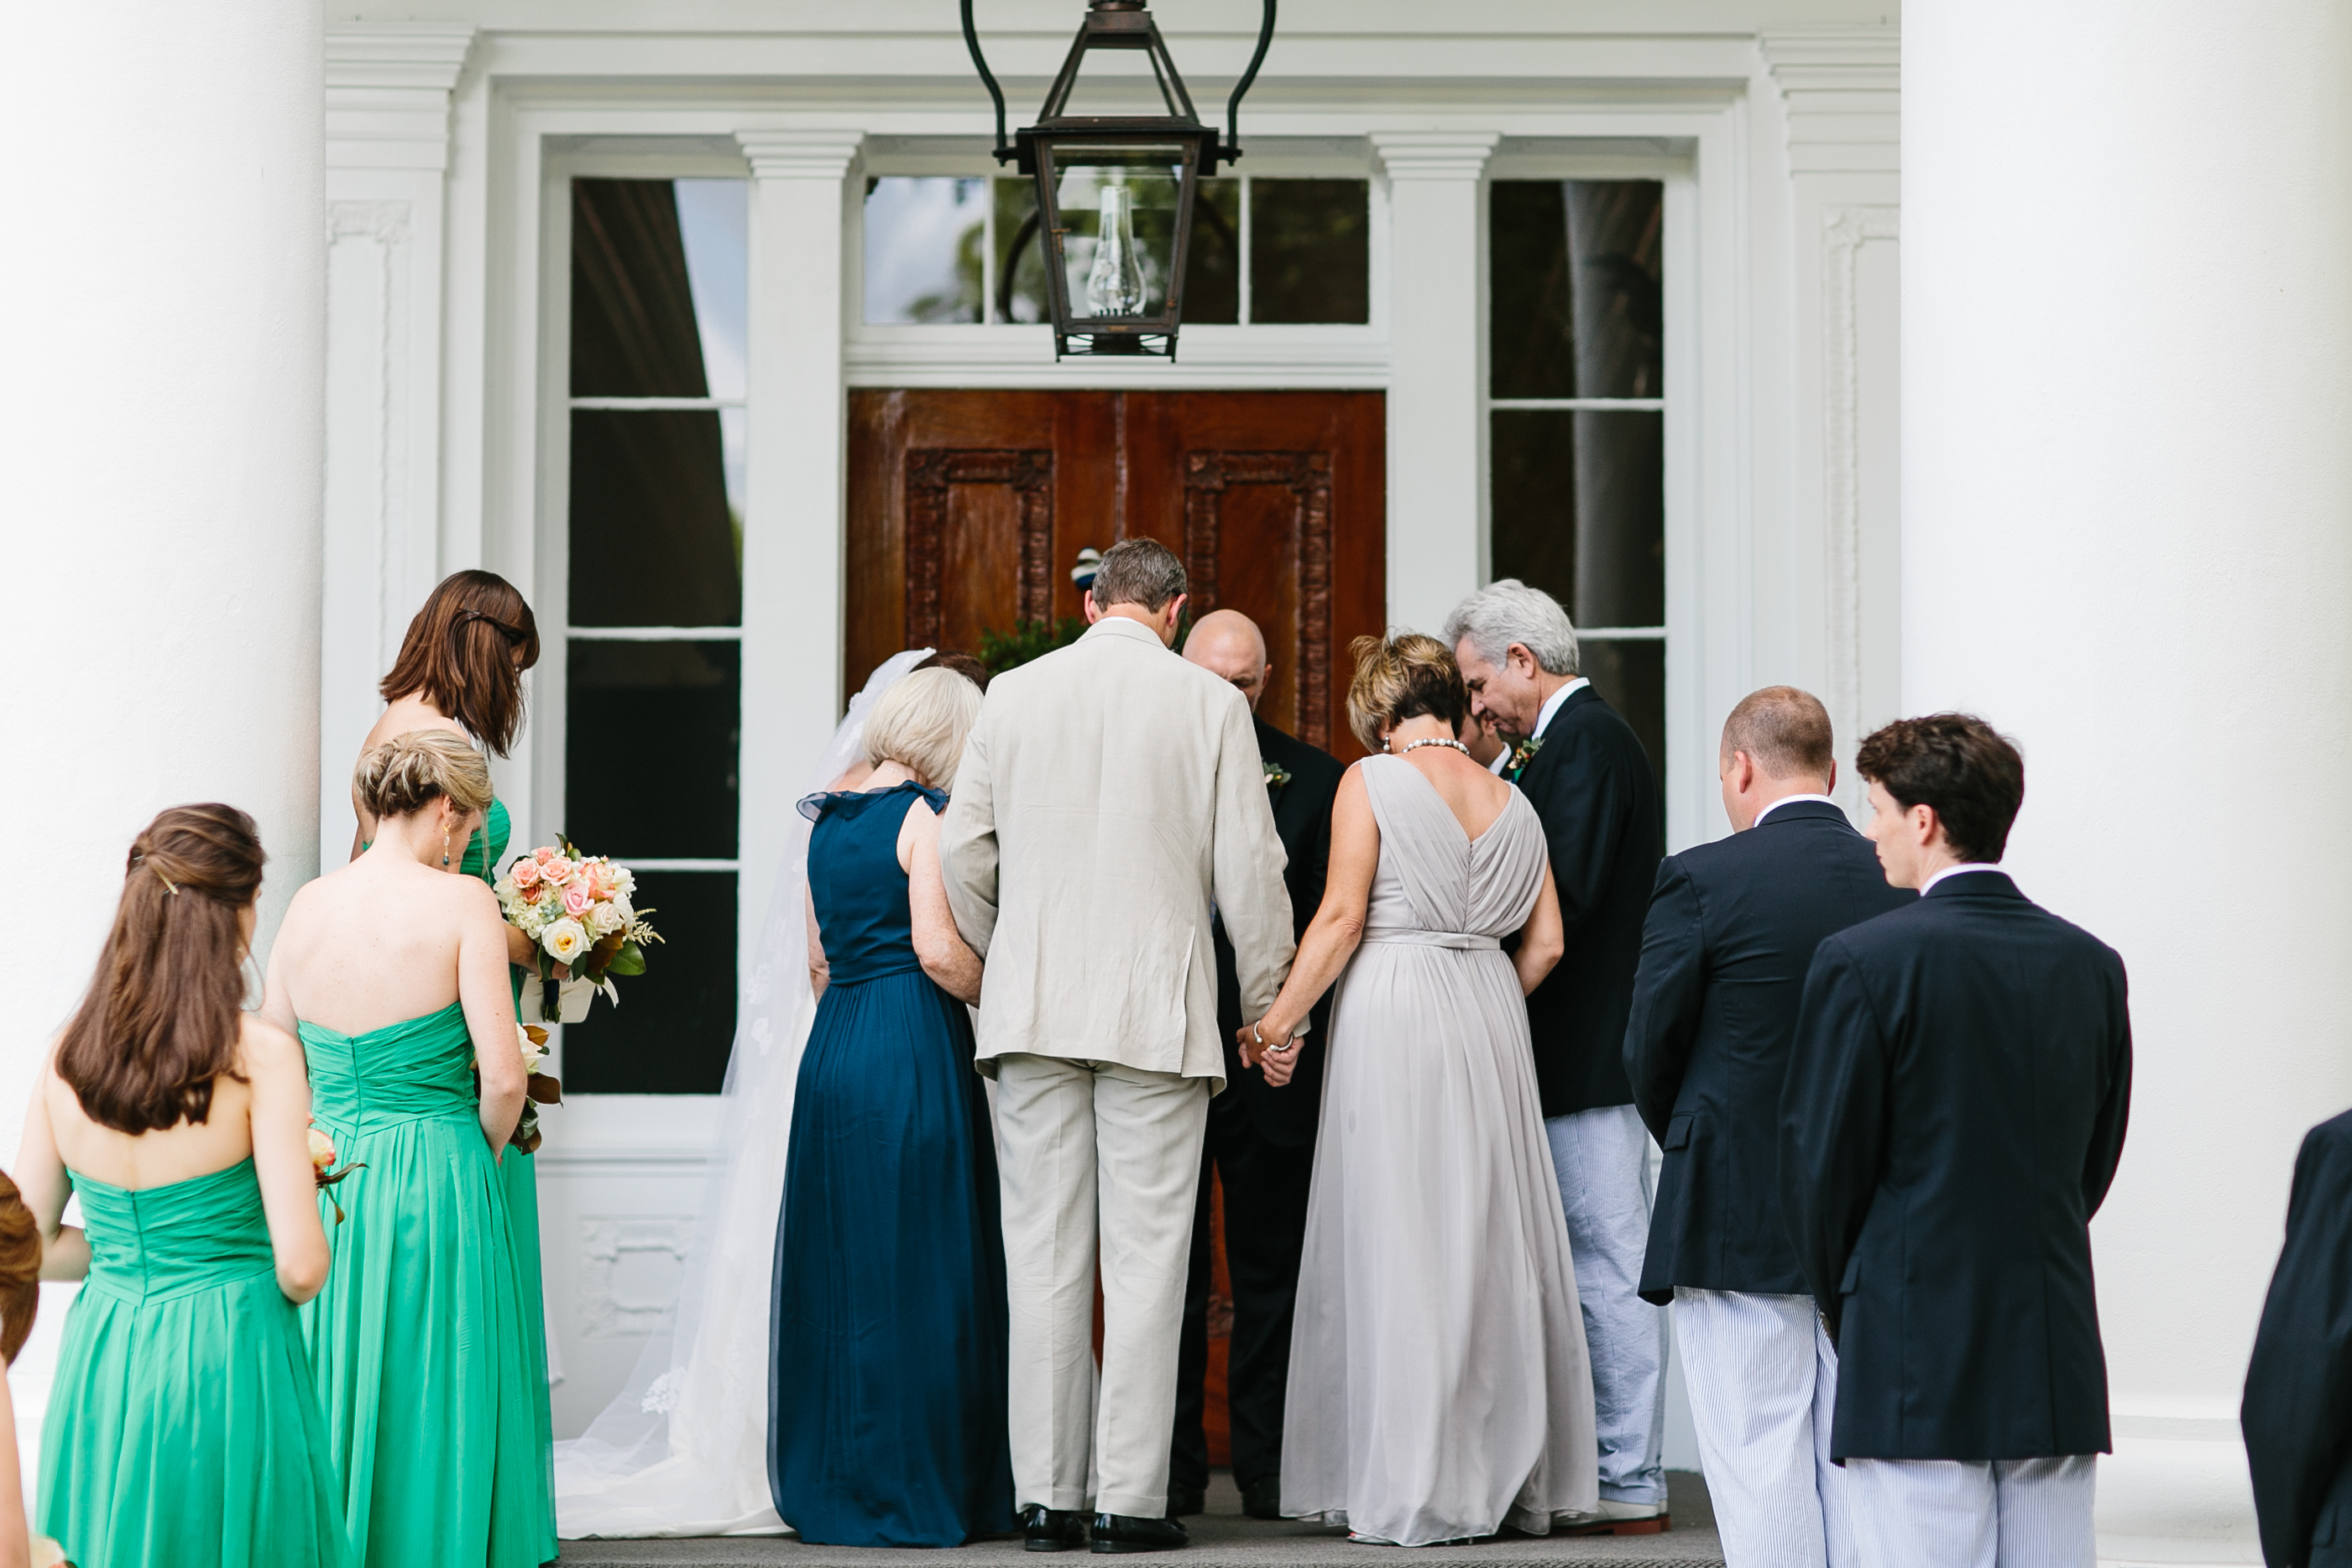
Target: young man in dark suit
{"x": 1953, "y": 1116}
{"x": 2297, "y": 1415}
{"x": 1732, "y": 927}
{"x": 1583, "y": 769}
{"x": 1261, "y": 1138}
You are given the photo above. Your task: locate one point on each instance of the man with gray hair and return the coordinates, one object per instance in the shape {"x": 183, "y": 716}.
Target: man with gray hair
{"x": 1583, "y": 769}
{"x": 1110, "y": 796}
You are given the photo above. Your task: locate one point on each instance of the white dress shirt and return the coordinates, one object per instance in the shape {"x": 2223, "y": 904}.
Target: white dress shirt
{"x": 1957, "y": 871}
{"x": 1787, "y": 800}
{"x": 1551, "y": 703}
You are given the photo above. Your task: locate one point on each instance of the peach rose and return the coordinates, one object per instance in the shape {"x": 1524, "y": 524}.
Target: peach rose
{"x": 543, "y": 855}
{"x": 527, "y": 874}
{"x": 322, "y": 1151}
{"x": 558, "y": 870}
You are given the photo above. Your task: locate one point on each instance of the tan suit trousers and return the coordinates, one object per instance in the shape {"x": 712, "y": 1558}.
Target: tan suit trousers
{"x": 1083, "y": 1146}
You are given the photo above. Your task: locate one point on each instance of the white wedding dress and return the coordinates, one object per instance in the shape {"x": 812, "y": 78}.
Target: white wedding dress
{"x": 684, "y": 1449}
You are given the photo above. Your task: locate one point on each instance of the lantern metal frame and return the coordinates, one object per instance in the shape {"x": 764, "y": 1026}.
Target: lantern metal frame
{"x": 1042, "y": 151}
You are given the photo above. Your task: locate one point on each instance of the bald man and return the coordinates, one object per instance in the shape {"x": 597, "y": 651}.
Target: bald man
{"x": 1731, "y": 927}
{"x": 1260, "y": 1139}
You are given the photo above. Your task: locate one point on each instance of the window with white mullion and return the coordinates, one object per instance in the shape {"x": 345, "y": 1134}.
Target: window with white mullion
{"x": 653, "y": 637}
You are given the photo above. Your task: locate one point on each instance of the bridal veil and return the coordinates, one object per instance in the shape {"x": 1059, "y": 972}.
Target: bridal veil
{"x": 683, "y": 1450}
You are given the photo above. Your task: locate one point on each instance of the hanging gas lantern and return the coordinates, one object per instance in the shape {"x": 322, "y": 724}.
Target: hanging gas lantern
{"x": 1116, "y": 193}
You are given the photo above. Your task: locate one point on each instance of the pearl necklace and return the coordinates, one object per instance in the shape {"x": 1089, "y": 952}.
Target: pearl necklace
{"x": 1434, "y": 740}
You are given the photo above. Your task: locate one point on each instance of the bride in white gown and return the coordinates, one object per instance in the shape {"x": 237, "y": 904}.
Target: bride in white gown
{"x": 684, "y": 1448}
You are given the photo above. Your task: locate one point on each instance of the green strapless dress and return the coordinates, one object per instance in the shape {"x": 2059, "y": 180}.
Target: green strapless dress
{"x": 419, "y": 1349}
{"x": 182, "y": 1425}
{"x": 519, "y": 1174}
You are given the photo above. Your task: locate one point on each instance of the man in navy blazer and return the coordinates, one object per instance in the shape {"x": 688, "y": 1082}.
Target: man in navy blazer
{"x": 2297, "y": 1415}
{"x": 1584, "y": 771}
{"x": 1953, "y": 1116}
{"x": 1732, "y": 927}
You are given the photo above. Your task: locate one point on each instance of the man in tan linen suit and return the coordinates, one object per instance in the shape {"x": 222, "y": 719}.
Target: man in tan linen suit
{"x": 1110, "y": 791}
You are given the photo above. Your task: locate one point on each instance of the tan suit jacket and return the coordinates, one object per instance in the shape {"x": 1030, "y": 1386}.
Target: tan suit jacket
{"x": 1110, "y": 791}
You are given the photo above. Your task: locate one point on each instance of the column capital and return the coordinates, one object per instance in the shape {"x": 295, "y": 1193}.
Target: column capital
{"x": 801, "y": 154}
{"x": 1434, "y": 154}
{"x": 388, "y": 86}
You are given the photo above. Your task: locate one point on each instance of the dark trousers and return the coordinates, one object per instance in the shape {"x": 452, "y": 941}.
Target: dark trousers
{"x": 1265, "y": 1227}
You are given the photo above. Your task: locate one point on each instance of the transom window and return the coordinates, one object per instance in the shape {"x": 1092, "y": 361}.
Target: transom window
{"x": 653, "y": 708}
{"x": 1577, "y": 423}
{"x": 1264, "y": 251}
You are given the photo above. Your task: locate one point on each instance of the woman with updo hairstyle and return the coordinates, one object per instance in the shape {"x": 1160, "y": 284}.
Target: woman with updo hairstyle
{"x": 392, "y": 971}
{"x": 460, "y": 669}
{"x": 887, "y": 1405}
{"x": 1419, "y": 1415}
{"x": 182, "y": 1424}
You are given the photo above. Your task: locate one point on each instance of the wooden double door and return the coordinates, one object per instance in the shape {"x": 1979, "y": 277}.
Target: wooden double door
{"x": 966, "y": 510}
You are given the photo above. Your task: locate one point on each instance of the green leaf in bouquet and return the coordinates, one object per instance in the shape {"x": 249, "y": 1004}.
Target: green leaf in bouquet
{"x": 630, "y": 960}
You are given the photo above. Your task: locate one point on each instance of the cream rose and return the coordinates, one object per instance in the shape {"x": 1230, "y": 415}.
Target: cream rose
{"x": 323, "y": 1149}
{"x": 564, "y": 940}
{"x": 604, "y": 919}
{"x": 533, "y": 1053}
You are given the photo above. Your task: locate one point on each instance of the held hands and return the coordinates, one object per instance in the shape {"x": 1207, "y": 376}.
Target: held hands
{"x": 1274, "y": 1052}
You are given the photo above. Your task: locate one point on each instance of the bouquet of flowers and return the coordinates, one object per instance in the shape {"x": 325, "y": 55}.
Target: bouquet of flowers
{"x": 322, "y": 1165}
{"x": 539, "y": 1088}
{"x": 575, "y": 908}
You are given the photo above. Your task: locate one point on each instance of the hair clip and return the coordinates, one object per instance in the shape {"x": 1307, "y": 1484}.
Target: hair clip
{"x": 163, "y": 879}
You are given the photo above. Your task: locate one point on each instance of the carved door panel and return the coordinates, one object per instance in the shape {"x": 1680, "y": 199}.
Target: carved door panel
{"x": 968, "y": 509}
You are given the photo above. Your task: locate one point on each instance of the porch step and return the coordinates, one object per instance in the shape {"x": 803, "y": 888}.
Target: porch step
{"x": 1221, "y": 1538}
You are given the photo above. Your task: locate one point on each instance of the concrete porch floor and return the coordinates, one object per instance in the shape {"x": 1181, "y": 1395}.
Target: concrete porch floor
{"x": 1223, "y": 1537}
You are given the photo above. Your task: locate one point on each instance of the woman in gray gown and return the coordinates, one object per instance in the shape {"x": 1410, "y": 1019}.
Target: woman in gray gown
{"x": 1439, "y": 1385}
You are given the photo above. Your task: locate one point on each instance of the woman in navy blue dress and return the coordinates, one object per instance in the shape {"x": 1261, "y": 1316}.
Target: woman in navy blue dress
{"x": 886, "y": 1423}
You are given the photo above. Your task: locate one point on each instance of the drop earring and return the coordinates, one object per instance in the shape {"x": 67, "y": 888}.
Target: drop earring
{"x": 445, "y": 849}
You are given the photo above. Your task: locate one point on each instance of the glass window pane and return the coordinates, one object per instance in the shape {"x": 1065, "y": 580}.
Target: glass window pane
{"x": 656, "y": 502}
{"x": 1573, "y": 269}
{"x": 647, "y": 321}
{"x": 1311, "y": 250}
{"x": 677, "y": 1023}
{"x": 923, "y": 239}
{"x": 1579, "y": 511}
{"x": 651, "y": 732}
{"x": 1212, "y": 264}
{"x": 714, "y": 220}
{"x": 1632, "y": 678}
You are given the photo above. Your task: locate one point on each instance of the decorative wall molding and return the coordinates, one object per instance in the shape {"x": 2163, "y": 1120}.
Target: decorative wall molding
{"x": 1222, "y": 357}
{"x": 388, "y": 86}
{"x": 1434, "y": 154}
{"x": 1845, "y": 231}
{"x": 605, "y": 1241}
{"x": 1842, "y": 91}
{"x": 801, "y": 154}
{"x": 1308, "y": 477}
{"x": 929, "y": 474}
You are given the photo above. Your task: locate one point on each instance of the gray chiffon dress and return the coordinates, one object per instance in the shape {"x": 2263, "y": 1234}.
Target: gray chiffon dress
{"x": 1439, "y": 1383}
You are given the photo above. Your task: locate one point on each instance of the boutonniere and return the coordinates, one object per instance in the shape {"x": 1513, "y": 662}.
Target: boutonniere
{"x": 1276, "y": 776}
{"x": 1522, "y": 754}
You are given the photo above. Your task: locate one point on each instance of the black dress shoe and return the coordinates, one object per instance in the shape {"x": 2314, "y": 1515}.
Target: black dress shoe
{"x": 1052, "y": 1528}
{"x": 1262, "y": 1499}
{"x": 1185, "y": 1501}
{"x": 1125, "y": 1533}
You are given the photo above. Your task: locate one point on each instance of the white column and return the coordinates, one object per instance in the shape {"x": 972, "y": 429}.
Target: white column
{"x": 160, "y": 446}
{"x": 2127, "y": 541}
{"x": 1436, "y": 401}
{"x": 388, "y": 87}
{"x": 792, "y": 533}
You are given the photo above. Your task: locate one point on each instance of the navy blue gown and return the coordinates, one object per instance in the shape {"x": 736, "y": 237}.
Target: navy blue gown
{"x": 886, "y": 1423}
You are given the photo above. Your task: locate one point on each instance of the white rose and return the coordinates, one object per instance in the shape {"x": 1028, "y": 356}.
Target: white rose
{"x": 603, "y": 920}
{"x": 620, "y": 905}
{"x": 532, "y": 1053}
{"x": 565, "y": 940}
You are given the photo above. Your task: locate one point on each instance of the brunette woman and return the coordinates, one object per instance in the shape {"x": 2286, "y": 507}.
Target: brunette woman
{"x": 181, "y": 1426}
{"x": 393, "y": 972}
{"x": 461, "y": 668}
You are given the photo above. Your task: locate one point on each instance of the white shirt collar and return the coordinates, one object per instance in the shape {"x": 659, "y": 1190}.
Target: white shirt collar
{"x": 1955, "y": 871}
{"x": 1551, "y": 703}
{"x": 1502, "y": 761}
{"x": 1787, "y": 800}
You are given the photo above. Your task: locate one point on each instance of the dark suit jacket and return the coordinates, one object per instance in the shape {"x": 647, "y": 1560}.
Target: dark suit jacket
{"x": 1302, "y": 817}
{"x": 1591, "y": 785}
{"x": 2297, "y": 1415}
{"x": 1732, "y": 926}
{"x": 1954, "y": 1113}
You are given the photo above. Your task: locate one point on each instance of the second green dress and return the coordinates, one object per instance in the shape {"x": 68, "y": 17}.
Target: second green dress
{"x": 419, "y": 1349}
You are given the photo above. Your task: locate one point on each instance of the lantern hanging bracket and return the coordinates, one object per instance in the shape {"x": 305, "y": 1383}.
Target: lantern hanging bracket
{"x": 1005, "y": 152}
{"x": 1232, "y": 147}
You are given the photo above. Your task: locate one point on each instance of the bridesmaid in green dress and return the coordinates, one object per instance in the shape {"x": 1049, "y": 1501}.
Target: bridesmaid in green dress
{"x": 181, "y": 1427}
{"x": 393, "y": 972}
{"x": 461, "y": 668}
